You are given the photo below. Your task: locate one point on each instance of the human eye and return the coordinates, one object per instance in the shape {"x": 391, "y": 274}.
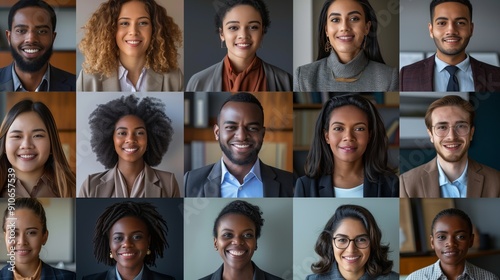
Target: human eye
{"x": 248, "y": 235}
{"x": 141, "y": 132}
{"x": 123, "y": 23}
{"x": 253, "y": 128}
{"x": 335, "y": 19}
{"x": 117, "y": 238}
{"x": 341, "y": 240}
{"x": 359, "y": 128}
{"x": 441, "y": 23}
{"x": 441, "y": 237}
{"x": 354, "y": 18}
{"x": 15, "y": 136}
{"x": 232, "y": 27}
{"x": 362, "y": 239}
{"x": 230, "y": 127}
{"x": 254, "y": 27}
{"x": 31, "y": 232}
{"x": 338, "y": 128}
{"x": 144, "y": 23}
{"x": 441, "y": 127}
{"x": 39, "y": 135}
{"x": 21, "y": 30}
{"x": 137, "y": 237}
{"x": 227, "y": 235}
{"x": 43, "y": 31}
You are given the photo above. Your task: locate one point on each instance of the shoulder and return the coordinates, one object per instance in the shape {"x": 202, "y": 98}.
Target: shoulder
{"x": 208, "y": 277}
{"x": 50, "y": 272}
{"x": 160, "y": 276}
{"x": 313, "y": 66}
{"x": 391, "y": 276}
{"x": 380, "y": 69}
{"x": 5, "y": 273}
{"x": 203, "y": 80}
{"x": 205, "y": 170}
{"x": 484, "y": 169}
{"x": 485, "y": 65}
{"x": 96, "y": 276}
{"x": 162, "y": 174}
{"x": 278, "y": 71}
{"x": 419, "y": 64}
{"x": 479, "y": 273}
{"x": 414, "y": 172}
{"x": 60, "y": 72}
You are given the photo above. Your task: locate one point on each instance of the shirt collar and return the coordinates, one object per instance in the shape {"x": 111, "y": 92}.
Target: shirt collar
{"x": 138, "y": 277}
{"x": 443, "y": 179}
{"x": 255, "y": 170}
{"x": 439, "y": 272}
{"x": 18, "y": 86}
{"x": 464, "y": 65}
{"x": 122, "y": 77}
{"x": 35, "y": 276}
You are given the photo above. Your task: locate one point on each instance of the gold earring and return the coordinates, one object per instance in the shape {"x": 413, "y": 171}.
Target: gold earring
{"x": 148, "y": 252}
{"x": 110, "y": 255}
{"x": 328, "y": 46}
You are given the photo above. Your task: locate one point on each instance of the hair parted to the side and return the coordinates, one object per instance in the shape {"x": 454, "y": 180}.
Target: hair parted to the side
{"x": 145, "y": 211}
{"x": 101, "y": 51}
{"x": 244, "y": 97}
{"x": 320, "y": 159}
{"x": 27, "y": 203}
{"x": 372, "y": 49}
{"x": 378, "y": 262}
{"x": 225, "y": 6}
{"x": 450, "y": 100}
{"x": 434, "y": 3}
{"x": 151, "y": 110}
{"x": 32, "y": 3}
{"x": 244, "y": 208}
{"x": 56, "y": 167}
{"x": 452, "y": 212}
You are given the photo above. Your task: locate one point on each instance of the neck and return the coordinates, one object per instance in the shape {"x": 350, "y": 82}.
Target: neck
{"x": 134, "y": 67}
{"x": 29, "y": 179}
{"x": 128, "y": 273}
{"x": 453, "y": 170}
{"x": 30, "y": 80}
{"x": 244, "y": 273}
{"x": 27, "y": 269}
{"x": 240, "y": 64}
{"x": 348, "y": 174}
{"x": 452, "y": 271}
{"x": 237, "y": 170}
{"x": 452, "y": 59}
{"x": 130, "y": 171}
{"x": 347, "y": 57}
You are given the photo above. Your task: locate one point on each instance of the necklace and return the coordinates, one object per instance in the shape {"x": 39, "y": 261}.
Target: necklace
{"x": 351, "y": 79}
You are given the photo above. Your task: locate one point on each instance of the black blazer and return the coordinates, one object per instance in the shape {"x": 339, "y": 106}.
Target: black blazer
{"x": 147, "y": 274}
{"x": 48, "y": 273}
{"x": 258, "y": 274}
{"x": 386, "y": 186}
{"x": 205, "y": 181}
{"x": 60, "y": 80}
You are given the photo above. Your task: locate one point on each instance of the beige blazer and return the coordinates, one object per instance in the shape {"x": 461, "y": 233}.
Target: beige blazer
{"x": 423, "y": 181}
{"x": 157, "y": 184}
{"x": 169, "y": 81}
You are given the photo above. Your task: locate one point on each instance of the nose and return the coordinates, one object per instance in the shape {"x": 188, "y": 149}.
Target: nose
{"x": 351, "y": 247}
{"x": 241, "y": 133}
{"x": 31, "y": 36}
{"x": 27, "y": 143}
{"x": 133, "y": 29}
{"x": 237, "y": 240}
{"x": 452, "y": 134}
{"x": 348, "y": 135}
{"x": 21, "y": 239}
{"x": 243, "y": 33}
{"x": 451, "y": 28}
{"x": 127, "y": 243}
{"x": 344, "y": 25}
{"x": 131, "y": 138}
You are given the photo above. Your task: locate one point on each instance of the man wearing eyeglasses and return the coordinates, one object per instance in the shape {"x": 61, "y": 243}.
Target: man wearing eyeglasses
{"x": 450, "y": 124}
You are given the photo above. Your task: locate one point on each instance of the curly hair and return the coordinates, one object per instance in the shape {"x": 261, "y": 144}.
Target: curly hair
{"x": 320, "y": 159}
{"x": 56, "y": 167}
{"x": 226, "y": 6}
{"x": 101, "y": 51}
{"x": 242, "y": 208}
{"x": 151, "y": 110}
{"x": 146, "y": 212}
{"x": 377, "y": 264}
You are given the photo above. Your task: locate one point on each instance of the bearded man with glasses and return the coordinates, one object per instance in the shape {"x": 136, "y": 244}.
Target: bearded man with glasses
{"x": 450, "y": 125}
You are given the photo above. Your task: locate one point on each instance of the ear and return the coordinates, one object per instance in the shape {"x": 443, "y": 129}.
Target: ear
{"x": 471, "y": 133}
{"x": 367, "y": 27}
{"x": 54, "y": 37}
{"x": 326, "y": 137}
{"x": 430, "y": 136}
{"x": 45, "y": 237}
{"x": 430, "y": 30}
{"x": 216, "y": 132}
{"x": 432, "y": 242}
{"x": 7, "y": 34}
{"x": 471, "y": 28}
{"x": 471, "y": 240}
{"x": 221, "y": 34}
{"x": 215, "y": 243}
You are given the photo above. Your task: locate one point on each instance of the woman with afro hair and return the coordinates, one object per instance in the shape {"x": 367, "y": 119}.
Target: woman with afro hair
{"x": 130, "y": 46}
{"x": 129, "y": 136}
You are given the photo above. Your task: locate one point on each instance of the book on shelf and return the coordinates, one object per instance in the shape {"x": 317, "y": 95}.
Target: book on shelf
{"x": 200, "y": 108}
{"x": 393, "y": 132}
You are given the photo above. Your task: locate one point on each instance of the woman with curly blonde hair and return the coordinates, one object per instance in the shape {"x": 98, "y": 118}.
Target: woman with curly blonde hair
{"x": 143, "y": 55}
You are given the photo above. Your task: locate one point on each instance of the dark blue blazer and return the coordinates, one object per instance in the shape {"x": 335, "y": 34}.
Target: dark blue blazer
{"x": 60, "y": 80}
{"x": 386, "y": 186}
{"x": 147, "y": 274}
{"x": 258, "y": 274}
{"x": 48, "y": 273}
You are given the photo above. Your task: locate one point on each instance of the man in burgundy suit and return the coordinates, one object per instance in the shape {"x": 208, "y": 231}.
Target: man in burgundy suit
{"x": 450, "y": 69}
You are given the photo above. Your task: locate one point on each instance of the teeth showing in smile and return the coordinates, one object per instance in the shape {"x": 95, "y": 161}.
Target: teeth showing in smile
{"x": 133, "y": 42}
{"x": 127, "y": 254}
{"x": 345, "y": 37}
{"x": 451, "y": 40}
{"x": 31, "y": 50}
{"x": 130, "y": 150}
{"x": 236, "y": 253}
{"x": 241, "y": 146}
{"x": 27, "y": 156}
{"x": 243, "y": 45}
{"x": 449, "y": 254}
{"x": 451, "y": 146}
{"x": 351, "y": 258}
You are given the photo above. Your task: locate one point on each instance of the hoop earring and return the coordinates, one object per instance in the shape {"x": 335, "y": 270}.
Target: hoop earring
{"x": 328, "y": 46}
{"x": 222, "y": 45}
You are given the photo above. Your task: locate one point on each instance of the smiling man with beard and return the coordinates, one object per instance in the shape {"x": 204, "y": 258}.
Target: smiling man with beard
{"x": 31, "y": 35}
{"x": 240, "y": 131}
{"x": 450, "y": 69}
{"x": 450, "y": 125}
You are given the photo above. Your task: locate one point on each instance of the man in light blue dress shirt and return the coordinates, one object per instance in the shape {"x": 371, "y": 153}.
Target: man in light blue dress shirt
{"x": 240, "y": 173}
{"x": 450, "y": 125}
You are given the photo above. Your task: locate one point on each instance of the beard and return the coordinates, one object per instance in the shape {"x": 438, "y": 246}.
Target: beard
{"x": 250, "y": 159}
{"x": 32, "y": 65}
{"x": 454, "y": 157}
{"x": 454, "y": 51}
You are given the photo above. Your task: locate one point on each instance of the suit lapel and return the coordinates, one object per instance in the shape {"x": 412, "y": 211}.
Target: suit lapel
{"x": 107, "y": 186}
{"x": 430, "y": 180}
{"x": 152, "y": 182}
{"x": 211, "y": 187}
{"x": 6, "y": 84}
{"x": 111, "y": 83}
{"x": 475, "y": 180}
{"x": 154, "y": 81}
{"x": 371, "y": 189}
{"x": 270, "y": 185}
{"x": 428, "y": 73}
{"x": 326, "y": 186}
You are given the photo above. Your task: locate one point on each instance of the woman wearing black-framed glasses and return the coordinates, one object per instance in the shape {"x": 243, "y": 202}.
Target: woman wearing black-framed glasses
{"x": 350, "y": 248}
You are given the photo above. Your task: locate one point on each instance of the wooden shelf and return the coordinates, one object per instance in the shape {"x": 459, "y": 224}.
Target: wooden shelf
{"x": 65, "y": 60}
{"x": 409, "y": 264}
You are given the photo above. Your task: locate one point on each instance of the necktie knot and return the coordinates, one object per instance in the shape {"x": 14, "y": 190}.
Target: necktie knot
{"x": 453, "y": 81}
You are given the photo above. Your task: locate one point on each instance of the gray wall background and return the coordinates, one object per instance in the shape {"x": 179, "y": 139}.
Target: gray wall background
{"x": 415, "y": 16}
{"x": 274, "y": 254}
{"x": 88, "y": 211}
{"x": 305, "y": 25}
{"x": 311, "y": 215}
{"x": 202, "y": 43}
{"x": 86, "y": 159}
{"x": 85, "y": 8}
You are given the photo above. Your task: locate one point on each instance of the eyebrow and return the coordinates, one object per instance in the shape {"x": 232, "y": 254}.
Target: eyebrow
{"x": 444, "y": 231}
{"x": 235, "y": 21}
{"x": 458, "y": 18}
{"x": 146, "y": 17}
{"x": 344, "y": 235}
{"x": 228, "y": 229}
{"x": 358, "y": 123}
{"x": 232, "y": 122}
{"x": 34, "y": 130}
{"x": 122, "y": 127}
{"x": 36, "y": 26}
{"x": 350, "y": 13}
{"x": 119, "y": 232}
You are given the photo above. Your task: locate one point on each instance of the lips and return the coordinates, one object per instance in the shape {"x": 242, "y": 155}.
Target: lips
{"x": 27, "y": 156}
{"x": 452, "y": 146}
{"x": 22, "y": 252}
{"x": 351, "y": 259}
{"x": 452, "y": 39}
{"x": 346, "y": 38}
{"x": 127, "y": 255}
{"x": 449, "y": 253}
{"x": 133, "y": 43}
{"x": 348, "y": 149}
{"x": 243, "y": 45}
{"x": 130, "y": 150}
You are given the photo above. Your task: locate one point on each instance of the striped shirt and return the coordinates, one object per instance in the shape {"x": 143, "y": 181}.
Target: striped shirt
{"x": 434, "y": 272}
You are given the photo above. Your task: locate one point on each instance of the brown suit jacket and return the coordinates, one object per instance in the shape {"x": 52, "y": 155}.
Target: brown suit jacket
{"x": 419, "y": 76}
{"x": 157, "y": 184}
{"x": 423, "y": 181}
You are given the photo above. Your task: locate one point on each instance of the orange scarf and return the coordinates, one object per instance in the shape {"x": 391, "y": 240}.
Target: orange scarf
{"x": 251, "y": 79}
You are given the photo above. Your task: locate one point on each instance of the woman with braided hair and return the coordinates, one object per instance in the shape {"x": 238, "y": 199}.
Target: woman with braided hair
{"x": 129, "y": 236}
{"x": 129, "y": 136}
